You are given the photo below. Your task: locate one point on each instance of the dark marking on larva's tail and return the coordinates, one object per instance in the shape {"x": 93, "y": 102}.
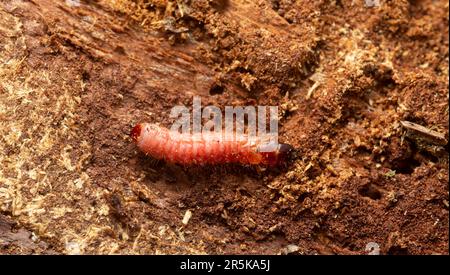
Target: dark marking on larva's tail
{"x": 136, "y": 132}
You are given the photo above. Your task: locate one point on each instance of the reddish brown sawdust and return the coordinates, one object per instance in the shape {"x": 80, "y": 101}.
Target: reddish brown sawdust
{"x": 75, "y": 79}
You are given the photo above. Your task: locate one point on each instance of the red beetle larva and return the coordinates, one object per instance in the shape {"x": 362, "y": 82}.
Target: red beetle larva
{"x": 160, "y": 143}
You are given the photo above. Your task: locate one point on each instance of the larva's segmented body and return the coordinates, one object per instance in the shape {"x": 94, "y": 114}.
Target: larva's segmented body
{"x": 208, "y": 148}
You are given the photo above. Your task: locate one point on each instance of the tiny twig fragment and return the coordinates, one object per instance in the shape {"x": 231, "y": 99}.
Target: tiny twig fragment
{"x": 425, "y": 133}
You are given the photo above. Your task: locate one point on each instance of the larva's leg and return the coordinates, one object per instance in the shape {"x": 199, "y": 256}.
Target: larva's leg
{"x": 260, "y": 169}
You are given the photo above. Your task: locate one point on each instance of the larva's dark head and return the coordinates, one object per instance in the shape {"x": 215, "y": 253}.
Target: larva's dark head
{"x": 285, "y": 153}
{"x": 281, "y": 156}
{"x": 285, "y": 149}
{"x": 136, "y": 132}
